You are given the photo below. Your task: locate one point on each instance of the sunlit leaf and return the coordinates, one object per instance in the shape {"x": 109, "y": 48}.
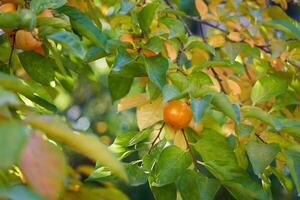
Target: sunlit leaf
{"x": 85, "y": 144}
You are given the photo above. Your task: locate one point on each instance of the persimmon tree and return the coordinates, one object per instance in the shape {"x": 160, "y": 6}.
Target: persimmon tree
{"x": 217, "y": 107}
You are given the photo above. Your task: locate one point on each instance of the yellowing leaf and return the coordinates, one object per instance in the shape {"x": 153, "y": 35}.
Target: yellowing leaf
{"x": 132, "y": 101}
{"x": 233, "y": 87}
{"x": 86, "y": 144}
{"x": 213, "y": 5}
{"x": 216, "y": 40}
{"x": 171, "y": 50}
{"x": 201, "y": 8}
{"x": 149, "y": 114}
{"x": 44, "y": 167}
{"x": 199, "y": 56}
{"x": 282, "y": 3}
{"x": 235, "y": 36}
{"x": 180, "y": 141}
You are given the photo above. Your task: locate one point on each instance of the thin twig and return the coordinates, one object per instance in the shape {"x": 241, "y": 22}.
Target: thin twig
{"x": 197, "y": 19}
{"x": 156, "y": 138}
{"x": 10, "y": 64}
{"x": 186, "y": 27}
{"x": 219, "y": 80}
{"x": 258, "y": 136}
{"x": 190, "y": 149}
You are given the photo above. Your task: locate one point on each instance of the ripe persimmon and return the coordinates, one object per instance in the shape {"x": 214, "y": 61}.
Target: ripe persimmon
{"x": 26, "y": 41}
{"x": 178, "y": 114}
{"x": 8, "y": 7}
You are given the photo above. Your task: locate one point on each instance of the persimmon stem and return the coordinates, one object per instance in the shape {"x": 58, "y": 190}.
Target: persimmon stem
{"x": 190, "y": 149}
{"x": 156, "y": 138}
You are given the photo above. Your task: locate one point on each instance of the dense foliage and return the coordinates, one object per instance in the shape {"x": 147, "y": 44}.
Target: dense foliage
{"x": 232, "y": 66}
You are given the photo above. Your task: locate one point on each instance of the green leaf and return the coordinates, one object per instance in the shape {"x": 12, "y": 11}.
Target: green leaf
{"x": 126, "y": 7}
{"x": 220, "y": 160}
{"x": 122, "y": 74}
{"x": 196, "y": 80}
{"x": 291, "y": 28}
{"x": 40, "y": 5}
{"x": 146, "y": 16}
{"x": 290, "y": 126}
{"x": 261, "y": 155}
{"x": 21, "y": 192}
{"x": 194, "y": 186}
{"x": 69, "y": 42}
{"x": 32, "y": 90}
{"x": 150, "y": 159}
{"x": 12, "y": 140}
{"x": 170, "y": 92}
{"x": 8, "y": 98}
{"x": 83, "y": 25}
{"x": 293, "y": 163}
{"x": 44, "y": 166}
{"x": 171, "y": 163}
{"x": 88, "y": 145}
{"x": 154, "y": 44}
{"x": 258, "y": 113}
{"x": 199, "y": 107}
{"x": 119, "y": 86}
{"x": 152, "y": 90}
{"x": 236, "y": 66}
{"x": 136, "y": 174}
{"x": 157, "y": 67}
{"x": 95, "y": 193}
{"x": 201, "y": 45}
{"x": 139, "y": 137}
{"x": 22, "y": 19}
{"x": 222, "y": 103}
{"x": 179, "y": 80}
{"x": 267, "y": 87}
{"x": 40, "y": 68}
{"x": 176, "y": 29}
{"x": 276, "y": 12}
{"x": 167, "y": 192}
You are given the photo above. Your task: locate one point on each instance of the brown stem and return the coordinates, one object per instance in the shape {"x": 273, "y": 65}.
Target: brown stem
{"x": 258, "y": 136}
{"x": 156, "y": 138}
{"x": 218, "y": 79}
{"x": 197, "y": 19}
{"x": 186, "y": 27}
{"x": 190, "y": 149}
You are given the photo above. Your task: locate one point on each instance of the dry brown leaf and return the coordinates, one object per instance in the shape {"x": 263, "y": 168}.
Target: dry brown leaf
{"x": 171, "y": 50}
{"x": 235, "y": 36}
{"x": 201, "y": 8}
{"x": 132, "y": 101}
{"x": 179, "y": 140}
{"x": 150, "y": 113}
{"x": 216, "y": 40}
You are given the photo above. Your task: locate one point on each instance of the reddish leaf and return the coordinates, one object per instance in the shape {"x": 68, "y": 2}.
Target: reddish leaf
{"x": 44, "y": 167}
